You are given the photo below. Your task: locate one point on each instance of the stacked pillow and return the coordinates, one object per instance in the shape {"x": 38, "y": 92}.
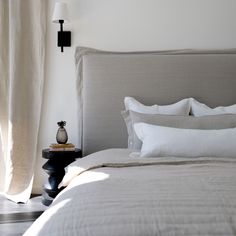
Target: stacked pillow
{"x": 180, "y": 108}
{"x": 201, "y": 109}
{"x": 165, "y": 130}
{"x": 166, "y": 141}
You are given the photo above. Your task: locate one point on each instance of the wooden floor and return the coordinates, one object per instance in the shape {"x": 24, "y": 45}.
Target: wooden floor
{"x": 16, "y": 218}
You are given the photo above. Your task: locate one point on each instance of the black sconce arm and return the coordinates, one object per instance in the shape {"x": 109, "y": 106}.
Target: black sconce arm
{"x": 64, "y": 37}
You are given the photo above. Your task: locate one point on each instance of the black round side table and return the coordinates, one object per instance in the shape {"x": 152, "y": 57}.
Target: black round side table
{"x": 54, "y": 167}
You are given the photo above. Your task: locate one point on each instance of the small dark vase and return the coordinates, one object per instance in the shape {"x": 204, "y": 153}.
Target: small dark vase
{"x": 62, "y": 136}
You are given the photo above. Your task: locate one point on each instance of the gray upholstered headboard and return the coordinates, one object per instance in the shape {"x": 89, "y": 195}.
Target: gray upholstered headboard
{"x": 105, "y": 78}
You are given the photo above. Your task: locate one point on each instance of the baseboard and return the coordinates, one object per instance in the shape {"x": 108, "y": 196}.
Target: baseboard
{"x": 19, "y": 217}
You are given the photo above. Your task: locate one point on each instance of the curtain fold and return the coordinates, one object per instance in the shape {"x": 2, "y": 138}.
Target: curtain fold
{"x": 22, "y": 58}
{"x": 4, "y": 75}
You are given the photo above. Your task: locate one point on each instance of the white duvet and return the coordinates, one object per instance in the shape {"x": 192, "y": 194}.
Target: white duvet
{"x": 113, "y": 193}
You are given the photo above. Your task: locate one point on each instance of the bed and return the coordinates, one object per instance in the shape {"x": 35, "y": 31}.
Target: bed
{"x": 115, "y": 191}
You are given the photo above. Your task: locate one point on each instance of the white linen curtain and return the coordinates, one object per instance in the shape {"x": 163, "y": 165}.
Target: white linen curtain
{"x": 22, "y": 56}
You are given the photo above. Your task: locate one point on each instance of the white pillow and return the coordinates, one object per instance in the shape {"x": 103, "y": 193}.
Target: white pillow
{"x": 200, "y": 109}
{"x": 166, "y": 141}
{"x": 179, "y": 108}
{"x": 175, "y": 121}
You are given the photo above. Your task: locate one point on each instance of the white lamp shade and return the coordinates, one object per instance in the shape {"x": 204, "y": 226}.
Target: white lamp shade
{"x": 60, "y": 12}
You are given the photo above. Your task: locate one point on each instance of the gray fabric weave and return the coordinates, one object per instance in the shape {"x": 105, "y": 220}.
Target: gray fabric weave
{"x": 186, "y": 122}
{"x": 105, "y": 78}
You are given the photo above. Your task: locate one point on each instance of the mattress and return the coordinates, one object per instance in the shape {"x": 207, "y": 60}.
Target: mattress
{"x": 115, "y": 192}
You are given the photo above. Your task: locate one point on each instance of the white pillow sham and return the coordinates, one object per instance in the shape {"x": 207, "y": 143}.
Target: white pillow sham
{"x": 131, "y": 104}
{"x": 166, "y": 141}
{"x": 179, "y": 108}
{"x": 201, "y": 109}
{"x": 175, "y": 121}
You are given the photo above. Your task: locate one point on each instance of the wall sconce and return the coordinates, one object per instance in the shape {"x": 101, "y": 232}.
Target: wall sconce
{"x": 60, "y": 15}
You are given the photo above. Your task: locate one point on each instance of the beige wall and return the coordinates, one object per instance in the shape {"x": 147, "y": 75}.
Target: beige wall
{"x": 124, "y": 25}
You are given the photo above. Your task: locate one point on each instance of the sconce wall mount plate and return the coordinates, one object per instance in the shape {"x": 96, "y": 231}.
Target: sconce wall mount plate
{"x": 63, "y": 38}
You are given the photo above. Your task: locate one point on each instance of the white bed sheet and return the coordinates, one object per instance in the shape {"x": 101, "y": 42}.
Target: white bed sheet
{"x": 113, "y": 193}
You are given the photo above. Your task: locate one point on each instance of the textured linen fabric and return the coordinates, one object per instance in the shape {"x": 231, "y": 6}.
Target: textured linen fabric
{"x": 105, "y": 78}
{"x": 201, "y": 109}
{"x": 167, "y": 141}
{"x": 115, "y": 194}
{"x": 4, "y": 83}
{"x": 131, "y": 104}
{"x": 187, "y": 122}
{"x": 22, "y": 43}
{"x": 179, "y": 108}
